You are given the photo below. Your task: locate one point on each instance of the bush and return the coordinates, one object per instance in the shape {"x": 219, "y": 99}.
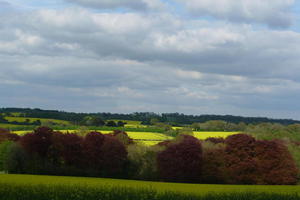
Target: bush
{"x": 181, "y": 161}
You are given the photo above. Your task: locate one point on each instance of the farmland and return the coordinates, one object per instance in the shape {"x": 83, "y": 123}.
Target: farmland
{"x": 152, "y": 138}
{"x": 98, "y": 184}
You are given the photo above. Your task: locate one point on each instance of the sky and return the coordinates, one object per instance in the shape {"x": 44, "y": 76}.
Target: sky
{"x": 123, "y": 56}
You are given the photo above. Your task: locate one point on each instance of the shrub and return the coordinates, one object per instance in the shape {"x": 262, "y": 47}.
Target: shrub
{"x": 181, "y": 161}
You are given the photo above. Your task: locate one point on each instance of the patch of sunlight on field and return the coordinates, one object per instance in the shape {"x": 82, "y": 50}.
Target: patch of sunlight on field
{"x": 23, "y": 119}
{"x": 133, "y": 135}
{"x": 149, "y": 143}
{"x": 129, "y": 122}
{"x": 177, "y": 127}
{"x": 135, "y": 126}
{"x": 200, "y": 189}
{"x": 204, "y": 135}
{"x": 148, "y": 136}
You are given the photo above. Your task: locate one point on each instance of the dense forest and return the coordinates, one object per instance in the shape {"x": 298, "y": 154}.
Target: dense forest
{"x": 145, "y": 117}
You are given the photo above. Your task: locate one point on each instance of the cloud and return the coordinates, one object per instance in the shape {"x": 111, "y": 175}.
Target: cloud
{"x": 79, "y": 60}
{"x": 274, "y": 13}
{"x": 141, "y": 5}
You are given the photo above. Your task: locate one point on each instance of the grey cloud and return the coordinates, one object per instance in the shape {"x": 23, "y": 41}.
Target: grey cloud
{"x": 272, "y": 13}
{"x": 113, "y": 4}
{"x": 78, "y": 60}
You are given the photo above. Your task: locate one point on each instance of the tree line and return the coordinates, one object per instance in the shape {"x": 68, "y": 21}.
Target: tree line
{"x": 144, "y": 117}
{"x": 238, "y": 159}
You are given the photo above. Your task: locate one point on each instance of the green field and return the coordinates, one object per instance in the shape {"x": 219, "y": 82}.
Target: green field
{"x": 199, "y": 189}
{"x": 10, "y": 126}
{"x": 23, "y": 119}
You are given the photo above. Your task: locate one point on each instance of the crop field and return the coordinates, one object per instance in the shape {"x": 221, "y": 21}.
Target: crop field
{"x": 194, "y": 189}
{"x": 204, "y": 135}
{"x": 23, "y": 119}
{"x": 146, "y": 137}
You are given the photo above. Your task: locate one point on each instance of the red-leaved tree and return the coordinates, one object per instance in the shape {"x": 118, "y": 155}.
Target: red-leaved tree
{"x": 38, "y": 142}
{"x": 113, "y": 155}
{"x": 92, "y": 150}
{"x": 275, "y": 163}
{"x": 181, "y": 161}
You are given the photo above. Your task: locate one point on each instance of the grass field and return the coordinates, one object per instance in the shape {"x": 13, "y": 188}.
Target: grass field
{"x": 23, "y": 119}
{"x": 9, "y": 126}
{"x": 198, "y": 189}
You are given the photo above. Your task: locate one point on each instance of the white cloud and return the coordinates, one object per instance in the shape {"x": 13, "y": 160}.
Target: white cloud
{"x": 275, "y": 13}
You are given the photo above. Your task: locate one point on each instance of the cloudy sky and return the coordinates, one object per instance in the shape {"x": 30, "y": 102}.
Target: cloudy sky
{"x": 194, "y": 57}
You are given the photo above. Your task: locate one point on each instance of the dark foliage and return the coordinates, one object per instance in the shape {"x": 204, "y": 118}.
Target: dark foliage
{"x": 213, "y": 170}
{"x": 111, "y": 124}
{"x": 6, "y": 135}
{"x": 38, "y": 142}
{"x": 258, "y": 162}
{"x": 275, "y": 164}
{"x": 92, "y": 149}
{"x": 181, "y": 161}
{"x": 215, "y": 140}
{"x": 145, "y": 117}
{"x": 113, "y": 156}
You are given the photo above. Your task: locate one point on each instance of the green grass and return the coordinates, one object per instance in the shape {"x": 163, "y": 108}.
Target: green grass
{"x": 23, "y": 119}
{"x": 14, "y": 127}
{"x": 34, "y": 187}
